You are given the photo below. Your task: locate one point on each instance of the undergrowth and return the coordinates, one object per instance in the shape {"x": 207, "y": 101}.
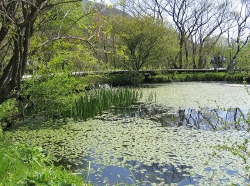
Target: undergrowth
{"x": 23, "y": 165}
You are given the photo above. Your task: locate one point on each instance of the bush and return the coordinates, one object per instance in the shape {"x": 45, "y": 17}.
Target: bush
{"x": 236, "y": 77}
{"x": 52, "y": 95}
{"x": 64, "y": 96}
{"x": 127, "y": 78}
{"x": 7, "y": 110}
{"x": 207, "y": 76}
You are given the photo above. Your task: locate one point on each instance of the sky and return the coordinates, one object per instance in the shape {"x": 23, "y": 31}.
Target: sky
{"x": 107, "y": 2}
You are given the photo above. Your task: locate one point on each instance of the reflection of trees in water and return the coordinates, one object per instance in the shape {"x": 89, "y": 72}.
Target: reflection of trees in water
{"x": 205, "y": 119}
{"x": 208, "y": 119}
{"x": 157, "y": 173}
{"x": 138, "y": 173}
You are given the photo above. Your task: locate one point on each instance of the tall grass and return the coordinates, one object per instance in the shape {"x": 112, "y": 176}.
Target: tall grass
{"x": 93, "y": 102}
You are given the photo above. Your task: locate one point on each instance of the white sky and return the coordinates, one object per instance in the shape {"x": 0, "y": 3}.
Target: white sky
{"x": 107, "y": 2}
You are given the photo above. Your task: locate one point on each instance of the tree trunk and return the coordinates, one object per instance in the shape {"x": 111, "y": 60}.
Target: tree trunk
{"x": 180, "y": 53}
{"x": 10, "y": 80}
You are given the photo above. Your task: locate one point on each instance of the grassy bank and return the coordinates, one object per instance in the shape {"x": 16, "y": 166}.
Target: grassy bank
{"x": 25, "y": 165}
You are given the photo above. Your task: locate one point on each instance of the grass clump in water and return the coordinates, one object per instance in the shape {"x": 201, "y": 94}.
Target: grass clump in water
{"x": 95, "y": 101}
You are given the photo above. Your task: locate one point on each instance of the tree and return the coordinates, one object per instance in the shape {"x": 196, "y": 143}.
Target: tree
{"x": 189, "y": 17}
{"x": 239, "y": 33}
{"x": 213, "y": 23}
{"x": 243, "y": 61}
{"x": 17, "y": 27}
{"x": 19, "y": 21}
{"x": 142, "y": 39}
{"x": 64, "y": 39}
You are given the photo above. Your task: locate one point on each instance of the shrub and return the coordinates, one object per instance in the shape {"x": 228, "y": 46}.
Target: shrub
{"x": 235, "y": 77}
{"x": 64, "y": 96}
{"x": 207, "y": 76}
{"x": 127, "y": 78}
{"x": 7, "y": 110}
{"x": 53, "y": 94}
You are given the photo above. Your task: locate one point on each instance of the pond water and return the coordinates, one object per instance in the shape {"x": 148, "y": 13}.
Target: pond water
{"x": 198, "y": 95}
{"x": 167, "y": 142}
{"x": 200, "y": 105}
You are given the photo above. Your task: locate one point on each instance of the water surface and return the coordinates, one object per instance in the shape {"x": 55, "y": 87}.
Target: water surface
{"x": 168, "y": 142}
{"x": 200, "y": 95}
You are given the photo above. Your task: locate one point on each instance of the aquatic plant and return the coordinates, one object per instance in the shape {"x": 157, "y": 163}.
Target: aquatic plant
{"x": 241, "y": 147}
{"x": 61, "y": 95}
{"x": 151, "y": 153}
{"x": 93, "y": 102}
{"x": 152, "y": 97}
{"x": 143, "y": 145}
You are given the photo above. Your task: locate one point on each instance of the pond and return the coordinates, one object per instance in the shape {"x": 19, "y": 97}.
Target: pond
{"x": 203, "y": 105}
{"x": 200, "y": 95}
{"x": 166, "y": 142}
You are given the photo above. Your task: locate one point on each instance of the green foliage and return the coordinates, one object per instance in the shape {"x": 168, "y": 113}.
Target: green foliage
{"x": 207, "y": 76}
{"x": 53, "y": 94}
{"x": 96, "y": 79}
{"x": 239, "y": 149}
{"x": 142, "y": 41}
{"x": 159, "y": 78}
{"x": 94, "y": 102}
{"x": 64, "y": 96}
{"x": 23, "y": 165}
{"x": 241, "y": 56}
{"x": 7, "y": 109}
{"x": 62, "y": 55}
{"x": 126, "y": 78}
{"x": 237, "y": 77}
{"x": 62, "y": 40}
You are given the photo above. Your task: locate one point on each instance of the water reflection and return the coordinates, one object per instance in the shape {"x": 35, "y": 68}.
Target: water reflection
{"x": 158, "y": 174}
{"x": 141, "y": 173}
{"x": 203, "y": 119}
{"x": 136, "y": 173}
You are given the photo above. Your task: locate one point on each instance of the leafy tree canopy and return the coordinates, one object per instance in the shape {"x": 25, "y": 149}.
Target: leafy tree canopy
{"x": 144, "y": 39}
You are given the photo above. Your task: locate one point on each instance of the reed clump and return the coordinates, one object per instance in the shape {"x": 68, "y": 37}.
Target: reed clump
{"x": 95, "y": 101}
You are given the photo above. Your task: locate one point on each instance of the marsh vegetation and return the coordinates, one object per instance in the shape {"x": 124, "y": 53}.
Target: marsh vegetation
{"x": 164, "y": 141}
